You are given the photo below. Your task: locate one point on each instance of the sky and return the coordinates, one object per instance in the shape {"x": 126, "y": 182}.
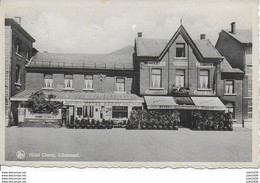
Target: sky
{"x": 103, "y": 26}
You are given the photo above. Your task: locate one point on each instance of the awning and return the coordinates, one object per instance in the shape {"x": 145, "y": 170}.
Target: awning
{"x": 160, "y": 102}
{"x": 71, "y": 97}
{"x": 208, "y": 103}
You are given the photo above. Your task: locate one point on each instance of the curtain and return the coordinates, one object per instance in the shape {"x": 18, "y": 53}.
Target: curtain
{"x": 88, "y": 83}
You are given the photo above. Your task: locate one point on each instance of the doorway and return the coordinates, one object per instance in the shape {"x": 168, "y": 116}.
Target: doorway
{"x": 68, "y": 114}
{"x": 185, "y": 118}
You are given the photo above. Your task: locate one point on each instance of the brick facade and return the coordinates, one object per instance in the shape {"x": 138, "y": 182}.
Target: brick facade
{"x": 36, "y": 81}
{"x": 14, "y": 32}
{"x": 239, "y": 55}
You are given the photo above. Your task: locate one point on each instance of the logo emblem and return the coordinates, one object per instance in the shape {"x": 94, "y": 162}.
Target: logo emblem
{"x": 20, "y": 154}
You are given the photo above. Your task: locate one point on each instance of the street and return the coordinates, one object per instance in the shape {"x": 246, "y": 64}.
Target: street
{"x": 184, "y": 145}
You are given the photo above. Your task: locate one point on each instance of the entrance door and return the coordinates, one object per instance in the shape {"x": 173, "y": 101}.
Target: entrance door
{"x": 70, "y": 115}
{"x": 185, "y": 118}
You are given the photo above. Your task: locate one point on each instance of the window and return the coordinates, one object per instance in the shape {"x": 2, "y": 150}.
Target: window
{"x": 229, "y": 86}
{"x": 204, "y": 79}
{"x": 230, "y": 108}
{"x": 119, "y": 112}
{"x": 180, "y": 50}
{"x": 48, "y": 81}
{"x": 28, "y": 53}
{"x": 156, "y": 79}
{"x": 68, "y": 80}
{"x": 180, "y": 78}
{"x": 17, "y": 74}
{"x": 88, "y": 111}
{"x": 88, "y": 81}
{"x": 79, "y": 111}
{"x": 18, "y": 46}
{"x": 120, "y": 84}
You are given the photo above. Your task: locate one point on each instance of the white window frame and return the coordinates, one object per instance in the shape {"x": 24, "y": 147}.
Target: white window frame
{"x": 88, "y": 81}
{"x": 68, "y": 82}
{"x": 229, "y": 88}
{"x": 203, "y": 78}
{"x": 120, "y": 86}
{"x": 156, "y": 78}
{"x": 180, "y": 78}
{"x": 48, "y": 82}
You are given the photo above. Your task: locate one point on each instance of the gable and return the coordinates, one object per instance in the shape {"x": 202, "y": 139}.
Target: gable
{"x": 181, "y": 31}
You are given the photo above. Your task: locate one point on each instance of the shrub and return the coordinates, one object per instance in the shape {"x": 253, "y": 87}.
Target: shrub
{"x": 212, "y": 120}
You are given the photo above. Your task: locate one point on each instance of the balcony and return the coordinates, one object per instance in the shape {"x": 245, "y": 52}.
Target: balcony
{"x": 180, "y": 91}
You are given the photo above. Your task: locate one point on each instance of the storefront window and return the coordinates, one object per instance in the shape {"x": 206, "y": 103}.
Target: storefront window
{"x": 48, "y": 81}
{"x": 180, "y": 77}
{"x": 229, "y": 86}
{"x": 204, "y": 79}
{"x": 120, "y": 84}
{"x": 88, "y": 81}
{"x": 68, "y": 81}
{"x": 88, "y": 111}
{"x": 79, "y": 111}
{"x": 119, "y": 112}
{"x": 156, "y": 79}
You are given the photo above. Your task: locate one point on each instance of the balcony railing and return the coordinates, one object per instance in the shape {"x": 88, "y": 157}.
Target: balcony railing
{"x": 180, "y": 91}
{"x": 118, "y": 66}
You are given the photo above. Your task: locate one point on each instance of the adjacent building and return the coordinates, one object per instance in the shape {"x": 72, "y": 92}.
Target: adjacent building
{"x": 94, "y": 86}
{"x": 236, "y": 46}
{"x": 18, "y": 52}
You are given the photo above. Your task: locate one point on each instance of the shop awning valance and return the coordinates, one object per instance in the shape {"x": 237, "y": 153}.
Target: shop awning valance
{"x": 160, "y": 102}
{"x": 84, "y": 97}
{"x": 208, "y": 103}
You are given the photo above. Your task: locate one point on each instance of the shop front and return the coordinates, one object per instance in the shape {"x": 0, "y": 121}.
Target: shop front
{"x": 83, "y": 105}
{"x": 186, "y": 106}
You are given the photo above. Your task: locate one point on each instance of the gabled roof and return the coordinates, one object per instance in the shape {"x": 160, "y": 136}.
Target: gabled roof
{"x": 118, "y": 59}
{"x": 158, "y": 47}
{"x": 150, "y": 47}
{"x": 13, "y": 23}
{"x": 243, "y": 36}
{"x": 225, "y": 67}
{"x": 207, "y": 49}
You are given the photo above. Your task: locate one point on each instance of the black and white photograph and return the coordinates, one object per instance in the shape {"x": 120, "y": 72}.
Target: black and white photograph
{"x": 130, "y": 83}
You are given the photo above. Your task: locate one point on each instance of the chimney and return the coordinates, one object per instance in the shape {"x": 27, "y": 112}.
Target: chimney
{"x": 18, "y": 20}
{"x": 233, "y": 27}
{"x": 203, "y": 36}
{"x": 139, "y": 34}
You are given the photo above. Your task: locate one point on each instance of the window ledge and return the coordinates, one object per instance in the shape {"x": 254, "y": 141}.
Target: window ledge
{"x": 204, "y": 89}
{"x": 17, "y": 54}
{"x": 152, "y": 88}
{"x": 17, "y": 84}
{"x": 68, "y": 89}
{"x": 45, "y": 88}
{"x": 230, "y": 94}
{"x": 119, "y": 91}
{"x": 88, "y": 89}
{"x": 180, "y": 58}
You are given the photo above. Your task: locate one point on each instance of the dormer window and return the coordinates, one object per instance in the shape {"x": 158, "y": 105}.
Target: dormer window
{"x": 180, "y": 49}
